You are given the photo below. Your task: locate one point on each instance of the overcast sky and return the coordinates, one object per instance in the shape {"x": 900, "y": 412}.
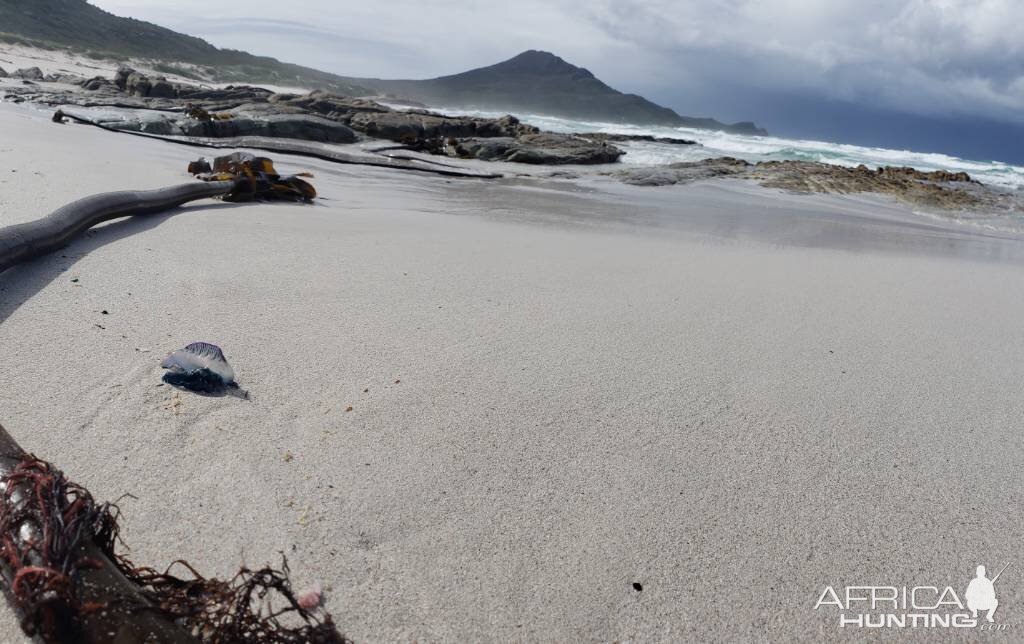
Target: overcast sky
{"x": 732, "y": 59}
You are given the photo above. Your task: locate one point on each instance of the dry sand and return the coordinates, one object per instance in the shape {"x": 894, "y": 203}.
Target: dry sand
{"x": 731, "y": 396}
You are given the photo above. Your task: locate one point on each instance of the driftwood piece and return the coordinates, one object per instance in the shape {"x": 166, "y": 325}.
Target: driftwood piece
{"x": 35, "y": 586}
{"x": 22, "y": 242}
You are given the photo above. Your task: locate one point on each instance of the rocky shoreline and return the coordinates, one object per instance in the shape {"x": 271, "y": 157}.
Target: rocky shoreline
{"x": 156, "y": 106}
{"x": 939, "y": 189}
{"x": 196, "y": 111}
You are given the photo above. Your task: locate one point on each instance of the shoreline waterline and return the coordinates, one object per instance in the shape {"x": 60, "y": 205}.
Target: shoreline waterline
{"x": 764, "y": 148}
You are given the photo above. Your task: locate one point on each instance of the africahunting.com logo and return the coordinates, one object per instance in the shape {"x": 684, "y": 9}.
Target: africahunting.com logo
{"x": 916, "y": 606}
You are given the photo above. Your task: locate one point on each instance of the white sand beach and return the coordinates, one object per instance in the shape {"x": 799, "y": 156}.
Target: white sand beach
{"x": 730, "y": 396}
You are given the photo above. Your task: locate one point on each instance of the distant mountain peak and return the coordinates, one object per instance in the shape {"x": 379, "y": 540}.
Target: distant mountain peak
{"x": 532, "y": 82}
{"x": 540, "y": 62}
{"x": 535, "y": 56}
{"x": 539, "y": 82}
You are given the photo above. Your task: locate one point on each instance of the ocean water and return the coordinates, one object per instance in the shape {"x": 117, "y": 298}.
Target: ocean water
{"x": 768, "y": 148}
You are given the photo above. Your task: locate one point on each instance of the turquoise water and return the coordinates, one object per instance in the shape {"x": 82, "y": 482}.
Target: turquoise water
{"x": 769, "y": 148}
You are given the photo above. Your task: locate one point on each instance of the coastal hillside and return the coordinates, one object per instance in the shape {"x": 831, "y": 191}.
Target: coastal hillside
{"x": 534, "y": 81}
{"x": 542, "y": 83}
{"x": 78, "y": 25}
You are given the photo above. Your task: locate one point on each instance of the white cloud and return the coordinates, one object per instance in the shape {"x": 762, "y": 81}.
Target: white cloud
{"x": 921, "y": 56}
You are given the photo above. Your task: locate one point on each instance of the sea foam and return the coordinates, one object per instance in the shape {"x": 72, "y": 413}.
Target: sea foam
{"x": 767, "y": 148}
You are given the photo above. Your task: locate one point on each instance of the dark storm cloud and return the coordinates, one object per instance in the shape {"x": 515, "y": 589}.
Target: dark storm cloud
{"x": 940, "y": 58}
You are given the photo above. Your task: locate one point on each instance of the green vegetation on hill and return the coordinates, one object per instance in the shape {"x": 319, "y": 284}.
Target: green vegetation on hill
{"x": 534, "y": 81}
{"x": 78, "y": 25}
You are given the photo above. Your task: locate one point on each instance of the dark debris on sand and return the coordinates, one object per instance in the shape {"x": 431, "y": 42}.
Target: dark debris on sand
{"x": 52, "y": 537}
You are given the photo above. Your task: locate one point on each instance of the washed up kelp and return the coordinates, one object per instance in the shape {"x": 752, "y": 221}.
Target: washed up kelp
{"x": 255, "y": 177}
{"x": 68, "y": 582}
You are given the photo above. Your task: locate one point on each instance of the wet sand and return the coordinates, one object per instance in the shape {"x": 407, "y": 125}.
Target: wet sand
{"x": 728, "y": 395}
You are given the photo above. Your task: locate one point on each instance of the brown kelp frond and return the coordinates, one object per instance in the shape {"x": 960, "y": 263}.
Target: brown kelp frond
{"x": 257, "y": 179}
{"x": 254, "y": 606}
{"x": 53, "y": 534}
{"x": 44, "y": 521}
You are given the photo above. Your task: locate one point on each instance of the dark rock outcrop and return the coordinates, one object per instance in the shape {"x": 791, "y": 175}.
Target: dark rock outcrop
{"x": 3, "y": 74}
{"x": 29, "y": 73}
{"x": 135, "y": 83}
{"x": 685, "y": 172}
{"x": 285, "y": 126}
{"x": 646, "y": 138}
{"x": 543, "y": 148}
{"x": 227, "y": 96}
{"x": 138, "y": 84}
{"x": 160, "y": 88}
{"x": 304, "y": 127}
{"x": 99, "y": 83}
{"x": 70, "y": 79}
{"x": 938, "y": 176}
{"x": 939, "y": 189}
{"x": 401, "y": 126}
{"x": 327, "y": 104}
{"x": 507, "y": 125}
{"x": 243, "y": 111}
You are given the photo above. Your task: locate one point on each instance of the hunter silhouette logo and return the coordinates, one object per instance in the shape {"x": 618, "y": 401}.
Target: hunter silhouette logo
{"x": 925, "y": 606}
{"x": 981, "y": 594}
